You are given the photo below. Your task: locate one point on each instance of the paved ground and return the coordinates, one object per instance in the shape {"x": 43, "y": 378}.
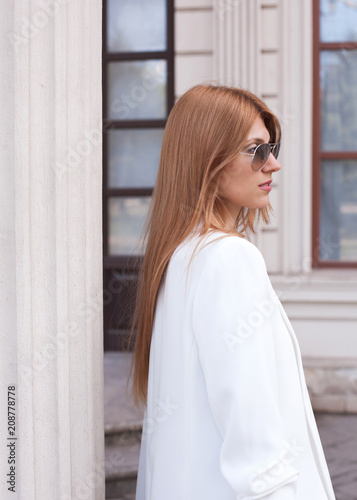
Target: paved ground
{"x": 117, "y": 409}
{"x": 339, "y": 438}
{"x": 338, "y": 431}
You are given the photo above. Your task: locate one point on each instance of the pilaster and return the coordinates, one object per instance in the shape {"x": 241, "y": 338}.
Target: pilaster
{"x": 236, "y": 43}
{"x": 52, "y": 241}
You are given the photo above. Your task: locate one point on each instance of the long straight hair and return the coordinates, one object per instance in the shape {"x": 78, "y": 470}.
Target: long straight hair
{"x": 205, "y": 131}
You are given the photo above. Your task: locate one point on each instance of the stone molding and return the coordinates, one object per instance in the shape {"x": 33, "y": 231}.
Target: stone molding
{"x": 51, "y": 274}
{"x": 332, "y": 384}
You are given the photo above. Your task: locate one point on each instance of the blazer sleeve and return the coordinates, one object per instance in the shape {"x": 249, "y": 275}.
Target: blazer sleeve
{"x": 232, "y": 305}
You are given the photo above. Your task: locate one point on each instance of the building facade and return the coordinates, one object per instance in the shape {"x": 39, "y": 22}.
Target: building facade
{"x": 70, "y": 154}
{"x": 299, "y": 57}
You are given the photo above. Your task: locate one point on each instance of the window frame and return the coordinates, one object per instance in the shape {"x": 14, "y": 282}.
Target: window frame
{"x": 317, "y": 154}
{"x": 120, "y": 271}
{"x": 126, "y": 261}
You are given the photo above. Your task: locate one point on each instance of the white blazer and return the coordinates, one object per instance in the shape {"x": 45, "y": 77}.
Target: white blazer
{"x": 228, "y": 414}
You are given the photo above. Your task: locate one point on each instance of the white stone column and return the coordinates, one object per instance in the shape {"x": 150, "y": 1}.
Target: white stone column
{"x": 51, "y": 247}
{"x": 237, "y": 50}
{"x": 296, "y": 96}
{"x": 236, "y": 43}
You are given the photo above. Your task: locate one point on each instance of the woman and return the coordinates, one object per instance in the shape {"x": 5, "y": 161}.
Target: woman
{"x": 216, "y": 361}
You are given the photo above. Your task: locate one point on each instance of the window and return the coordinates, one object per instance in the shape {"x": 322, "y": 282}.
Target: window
{"x": 335, "y": 134}
{"x": 138, "y": 93}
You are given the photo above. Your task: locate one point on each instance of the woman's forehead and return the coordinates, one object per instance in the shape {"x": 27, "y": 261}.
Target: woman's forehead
{"x": 259, "y": 131}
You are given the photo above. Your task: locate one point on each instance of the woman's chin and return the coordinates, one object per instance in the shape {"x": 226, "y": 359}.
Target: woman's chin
{"x": 259, "y": 205}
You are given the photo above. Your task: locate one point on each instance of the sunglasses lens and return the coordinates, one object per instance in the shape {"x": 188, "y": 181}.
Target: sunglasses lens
{"x": 261, "y": 156}
{"x": 276, "y": 150}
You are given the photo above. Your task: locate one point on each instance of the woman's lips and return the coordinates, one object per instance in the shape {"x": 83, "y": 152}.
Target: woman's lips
{"x": 266, "y": 186}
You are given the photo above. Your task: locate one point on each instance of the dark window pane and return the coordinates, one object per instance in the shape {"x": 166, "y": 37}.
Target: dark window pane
{"x": 338, "y": 21}
{"x": 126, "y": 221}
{"x": 134, "y": 156}
{"x": 136, "y": 25}
{"x": 137, "y": 90}
{"x": 339, "y": 100}
{"x": 338, "y": 222}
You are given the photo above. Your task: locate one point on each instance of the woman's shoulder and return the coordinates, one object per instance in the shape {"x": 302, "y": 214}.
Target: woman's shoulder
{"x": 228, "y": 262}
{"x": 218, "y": 241}
{"x": 220, "y": 249}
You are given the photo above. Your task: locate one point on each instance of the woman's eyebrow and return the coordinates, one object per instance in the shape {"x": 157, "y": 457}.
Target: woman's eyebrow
{"x": 258, "y": 140}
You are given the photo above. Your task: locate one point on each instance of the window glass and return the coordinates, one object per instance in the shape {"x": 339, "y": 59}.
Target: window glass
{"x": 137, "y": 90}
{"x": 136, "y": 25}
{"x": 338, "y": 100}
{"x": 338, "y": 20}
{"x": 133, "y": 157}
{"x": 338, "y": 221}
{"x": 126, "y": 221}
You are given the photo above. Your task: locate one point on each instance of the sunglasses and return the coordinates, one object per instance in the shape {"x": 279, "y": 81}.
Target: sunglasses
{"x": 262, "y": 153}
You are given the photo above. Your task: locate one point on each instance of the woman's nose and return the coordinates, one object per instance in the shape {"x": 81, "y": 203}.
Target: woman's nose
{"x": 272, "y": 164}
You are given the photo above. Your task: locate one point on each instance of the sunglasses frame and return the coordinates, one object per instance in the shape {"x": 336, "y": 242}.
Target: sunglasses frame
{"x": 273, "y": 146}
